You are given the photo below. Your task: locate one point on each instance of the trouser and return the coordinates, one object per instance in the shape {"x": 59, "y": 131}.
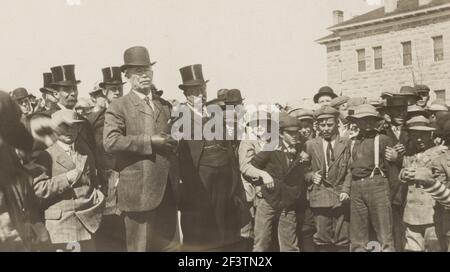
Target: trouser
{"x": 421, "y": 238}
{"x": 399, "y": 228}
{"x": 306, "y": 228}
{"x": 154, "y": 230}
{"x": 332, "y": 226}
{"x": 370, "y": 204}
{"x": 110, "y": 237}
{"x": 442, "y": 224}
{"x": 265, "y": 219}
{"x": 213, "y": 223}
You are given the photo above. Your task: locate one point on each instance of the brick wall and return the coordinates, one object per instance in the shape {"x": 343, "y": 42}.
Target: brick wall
{"x": 343, "y": 72}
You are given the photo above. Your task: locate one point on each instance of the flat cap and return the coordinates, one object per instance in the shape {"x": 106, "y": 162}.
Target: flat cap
{"x": 326, "y": 112}
{"x": 288, "y": 122}
{"x": 337, "y": 101}
{"x": 302, "y": 114}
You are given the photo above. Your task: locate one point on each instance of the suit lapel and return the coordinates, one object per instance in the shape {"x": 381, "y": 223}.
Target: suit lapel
{"x": 140, "y": 104}
{"x": 158, "y": 108}
{"x": 318, "y": 149}
{"x": 62, "y": 158}
{"x": 339, "y": 147}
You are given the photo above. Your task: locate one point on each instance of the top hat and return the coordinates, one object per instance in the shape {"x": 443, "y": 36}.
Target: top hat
{"x": 192, "y": 76}
{"x": 48, "y": 81}
{"x": 111, "y": 76}
{"x": 324, "y": 91}
{"x": 19, "y": 93}
{"x": 136, "y": 56}
{"x": 397, "y": 101}
{"x": 64, "y": 76}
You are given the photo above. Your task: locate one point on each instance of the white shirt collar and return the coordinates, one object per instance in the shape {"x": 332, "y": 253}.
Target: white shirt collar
{"x": 143, "y": 96}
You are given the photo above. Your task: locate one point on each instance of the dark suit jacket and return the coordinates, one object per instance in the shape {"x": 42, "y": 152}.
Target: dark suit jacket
{"x": 72, "y": 212}
{"x": 290, "y": 185}
{"x": 398, "y": 190}
{"x": 339, "y": 175}
{"x": 143, "y": 171}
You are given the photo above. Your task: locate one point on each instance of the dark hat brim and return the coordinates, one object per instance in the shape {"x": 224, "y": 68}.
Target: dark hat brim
{"x": 66, "y": 83}
{"x": 117, "y": 83}
{"x": 193, "y": 84}
{"x": 318, "y": 95}
{"x": 46, "y": 90}
{"x": 363, "y": 115}
{"x": 126, "y": 66}
{"x": 20, "y": 97}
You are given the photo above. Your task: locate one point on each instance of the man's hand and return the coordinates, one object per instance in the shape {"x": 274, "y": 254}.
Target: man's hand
{"x": 163, "y": 141}
{"x": 6, "y": 230}
{"x": 73, "y": 176}
{"x": 344, "y": 197}
{"x": 400, "y": 148}
{"x": 267, "y": 180}
{"x": 424, "y": 177}
{"x": 42, "y": 129}
{"x": 317, "y": 178}
{"x": 391, "y": 154}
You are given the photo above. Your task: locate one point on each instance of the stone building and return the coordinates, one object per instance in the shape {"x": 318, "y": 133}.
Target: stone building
{"x": 405, "y": 42}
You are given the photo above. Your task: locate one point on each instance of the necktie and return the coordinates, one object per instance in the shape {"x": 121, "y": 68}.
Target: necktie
{"x": 330, "y": 154}
{"x": 147, "y": 101}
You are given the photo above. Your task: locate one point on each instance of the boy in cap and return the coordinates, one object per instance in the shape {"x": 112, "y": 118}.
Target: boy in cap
{"x": 306, "y": 118}
{"x": 424, "y": 92}
{"x": 282, "y": 190}
{"x": 341, "y": 104}
{"x": 369, "y": 197}
{"x": 419, "y": 210}
{"x": 330, "y": 182}
{"x": 72, "y": 205}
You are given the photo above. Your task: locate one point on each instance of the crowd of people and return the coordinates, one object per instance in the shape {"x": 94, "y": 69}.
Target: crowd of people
{"x": 106, "y": 173}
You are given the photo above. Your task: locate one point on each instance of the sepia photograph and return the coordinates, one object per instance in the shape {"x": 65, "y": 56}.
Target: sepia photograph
{"x": 236, "y": 127}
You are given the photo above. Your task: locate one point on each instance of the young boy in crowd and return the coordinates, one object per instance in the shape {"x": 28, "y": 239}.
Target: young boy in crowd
{"x": 283, "y": 189}
{"x": 369, "y": 194}
{"x": 419, "y": 212}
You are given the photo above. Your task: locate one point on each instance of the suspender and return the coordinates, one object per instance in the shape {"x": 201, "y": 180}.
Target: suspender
{"x": 376, "y": 152}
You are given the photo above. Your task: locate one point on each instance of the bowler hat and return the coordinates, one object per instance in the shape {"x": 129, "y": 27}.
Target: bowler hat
{"x": 192, "y": 76}
{"x": 364, "y": 110}
{"x": 419, "y": 123}
{"x": 326, "y": 112}
{"x": 19, "y": 93}
{"x": 111, "y": 76}
{"x": 324, "y": 91}
{"x": 233, "y": 97}
{"x": 397, "y": 101}
{"x": 136, "y": 56}
{"x": 48, "y": 80}
{"x": 64, "y": 75}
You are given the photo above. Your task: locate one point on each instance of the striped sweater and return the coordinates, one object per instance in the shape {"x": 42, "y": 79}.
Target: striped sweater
{"x": 440, "y": 193}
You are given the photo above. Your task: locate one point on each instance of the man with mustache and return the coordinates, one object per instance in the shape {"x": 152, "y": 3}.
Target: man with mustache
{"x": 207, "y": 173}
{"x": 136, "y": 131}
{"x": 330, "y": 179}
{"x": 419, "y": 213}
{"x": 111, "y": 235}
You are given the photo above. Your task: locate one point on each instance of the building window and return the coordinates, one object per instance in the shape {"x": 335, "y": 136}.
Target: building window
{"x": 378, "y": 57}
{"x": 407, "y": 53}
{"x": 438, "y": 43}
{"x": 361, "y": 60}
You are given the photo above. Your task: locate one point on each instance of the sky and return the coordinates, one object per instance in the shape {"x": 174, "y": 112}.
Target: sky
{"x": 265, "y": 48}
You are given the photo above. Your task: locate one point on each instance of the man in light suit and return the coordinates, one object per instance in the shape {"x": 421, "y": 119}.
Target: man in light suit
{"x": 72, "y": 205}
{"x": 330, "y": 182}
{"x": 136, "y": 131}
